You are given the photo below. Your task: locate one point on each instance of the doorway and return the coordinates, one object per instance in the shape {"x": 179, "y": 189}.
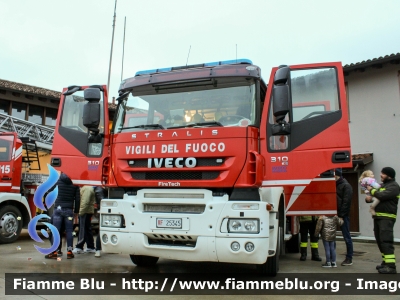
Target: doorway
{"x": 352, "y": 178}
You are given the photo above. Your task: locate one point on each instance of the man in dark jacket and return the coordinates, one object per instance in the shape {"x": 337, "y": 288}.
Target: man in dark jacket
{"x": 344, "y": 193}
{"x": 67, "y": 202}
{"x": 388, "y": 195}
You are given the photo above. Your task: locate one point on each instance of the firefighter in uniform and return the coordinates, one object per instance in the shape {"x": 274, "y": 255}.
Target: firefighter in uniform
{"x": 386, "y": 210}
{"x": 307, "y": 226}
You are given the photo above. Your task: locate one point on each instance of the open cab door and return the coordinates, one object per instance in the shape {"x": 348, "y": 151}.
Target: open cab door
{"x": 81, "y": 136}
{"x": 305, "y": 135}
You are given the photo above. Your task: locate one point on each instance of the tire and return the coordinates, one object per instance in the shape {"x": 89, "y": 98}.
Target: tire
{"x": 144, "y": 260}
{"x": 271, "y": 266}
{"x": 10, "y": 225}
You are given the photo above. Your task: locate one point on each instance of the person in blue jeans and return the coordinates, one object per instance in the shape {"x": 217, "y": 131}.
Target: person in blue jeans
{"x": 66, "y": 204}
{"x": 344, "y": 194}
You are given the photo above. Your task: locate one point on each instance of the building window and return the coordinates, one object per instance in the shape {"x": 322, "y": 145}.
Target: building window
{"x": 51, "y": 116}
{"x": 19, "y": 110}
{"x": 4, "y": 107}
{"x": 35, "y": 114}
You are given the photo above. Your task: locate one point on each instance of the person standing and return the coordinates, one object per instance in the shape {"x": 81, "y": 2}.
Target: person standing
{"x": 344, "y": 193}
{"x": 99, "y": 195}
{"x": 307, "y": 226}
{"x": 388, "y": 195}
{"x": 327, "y": 226}
{"x": 86, "y": 212}
{"x": 66, "y": 204}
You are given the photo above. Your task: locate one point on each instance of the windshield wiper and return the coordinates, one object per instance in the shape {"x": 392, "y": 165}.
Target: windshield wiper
{"x": 145, "y": 126}
{"x": 202, "y": 124}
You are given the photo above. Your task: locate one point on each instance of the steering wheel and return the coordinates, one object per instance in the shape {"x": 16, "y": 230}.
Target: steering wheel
{"x": 230, "y": 120}
{"x": 75, "y": 128}
{"x": 314, "y": 113}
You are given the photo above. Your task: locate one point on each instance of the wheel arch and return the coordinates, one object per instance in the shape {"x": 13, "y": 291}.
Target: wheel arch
{"x": 22, "y": 206}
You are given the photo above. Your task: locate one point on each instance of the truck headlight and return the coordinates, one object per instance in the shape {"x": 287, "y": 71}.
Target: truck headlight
{"x": 243, "y": 225}
{"x": 111, "y": 220}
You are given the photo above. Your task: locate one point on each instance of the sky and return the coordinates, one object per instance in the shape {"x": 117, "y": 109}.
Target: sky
{"x": 53, "y": 44}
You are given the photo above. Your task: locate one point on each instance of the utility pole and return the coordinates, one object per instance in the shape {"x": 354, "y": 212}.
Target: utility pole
{"x": 112, "y": 44}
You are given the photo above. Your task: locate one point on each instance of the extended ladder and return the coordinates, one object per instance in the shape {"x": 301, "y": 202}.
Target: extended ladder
{"x": 41, "y": 135}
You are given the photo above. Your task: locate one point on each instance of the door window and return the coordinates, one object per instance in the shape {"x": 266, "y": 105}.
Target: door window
{"x": 314, "y": 93}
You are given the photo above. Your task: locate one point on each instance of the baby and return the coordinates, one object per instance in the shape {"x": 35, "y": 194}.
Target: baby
{"x": 367, "y": 179}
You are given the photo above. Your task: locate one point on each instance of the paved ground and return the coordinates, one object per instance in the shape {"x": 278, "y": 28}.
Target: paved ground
{"x": 22, "y": 257}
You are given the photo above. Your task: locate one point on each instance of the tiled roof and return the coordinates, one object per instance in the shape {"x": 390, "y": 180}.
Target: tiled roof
{"x": 377, "y": 62}
{"x": 29, "y": 89}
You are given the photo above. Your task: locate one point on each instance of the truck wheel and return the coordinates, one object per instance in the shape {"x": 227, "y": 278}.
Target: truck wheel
{"x": 144, "y": 260}
{"x": 10, "y": 225}
{"x": 271, "y": 266}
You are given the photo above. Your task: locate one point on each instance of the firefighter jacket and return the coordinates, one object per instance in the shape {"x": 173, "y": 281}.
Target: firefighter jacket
{"x": 328, "y": 226}
{"x": 308, "y": 218}
{"x": 68, "y": 194}
{"x": 388, "y": 195}
{"x": 87, "y": 200}
{"x": 344, "y": 193}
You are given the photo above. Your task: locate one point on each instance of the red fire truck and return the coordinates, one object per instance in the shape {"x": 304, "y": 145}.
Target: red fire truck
{"x": 16, "y": 187}
{"x": 219, "y": 166}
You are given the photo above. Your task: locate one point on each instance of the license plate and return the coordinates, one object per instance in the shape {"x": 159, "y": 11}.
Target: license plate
{"x": 169, "y": 223}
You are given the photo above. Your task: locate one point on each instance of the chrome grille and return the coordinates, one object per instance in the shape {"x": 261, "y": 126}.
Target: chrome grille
{"x": 174, "y": 208}
{"x": 172, "y": 240}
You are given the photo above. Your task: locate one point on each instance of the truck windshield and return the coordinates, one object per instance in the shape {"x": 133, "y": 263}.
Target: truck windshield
{"x": 6, "y": 144}
{"x": 223, "y": 106}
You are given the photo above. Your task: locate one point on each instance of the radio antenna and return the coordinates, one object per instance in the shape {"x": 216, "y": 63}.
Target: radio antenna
{"x": 188, "y": 54}
{"x": 123, "y": 50}
{"x": 112, "y": 44}
{"x": 236, "y": 53}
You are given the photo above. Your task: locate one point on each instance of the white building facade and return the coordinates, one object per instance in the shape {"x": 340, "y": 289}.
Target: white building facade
{"x": 373, "y": 93}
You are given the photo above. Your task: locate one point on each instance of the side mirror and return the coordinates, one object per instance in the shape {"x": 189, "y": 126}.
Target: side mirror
{"x": 281, "y": 107}
{"x": 281, "y": 100}
{"x": 91, "y": 116}
{"x": 91, "y": 113}
{"x": 92, "y": 95}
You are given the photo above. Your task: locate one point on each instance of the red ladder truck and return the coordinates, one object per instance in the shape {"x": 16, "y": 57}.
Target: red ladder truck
{"x": 17, "y": 187}
{"x": 219, "y": 166}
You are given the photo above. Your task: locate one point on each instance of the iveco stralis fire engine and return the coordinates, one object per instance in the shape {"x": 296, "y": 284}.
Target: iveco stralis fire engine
{"x": 208, "y": 162}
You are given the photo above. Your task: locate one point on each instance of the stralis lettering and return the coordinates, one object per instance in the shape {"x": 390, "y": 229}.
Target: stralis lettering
{"x": 174, "y": 148}
{"x": 174, "y": 133}
{"x": 179, "y": 162}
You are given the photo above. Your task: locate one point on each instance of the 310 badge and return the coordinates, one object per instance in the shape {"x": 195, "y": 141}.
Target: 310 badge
{"x": 50, "y": 199}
